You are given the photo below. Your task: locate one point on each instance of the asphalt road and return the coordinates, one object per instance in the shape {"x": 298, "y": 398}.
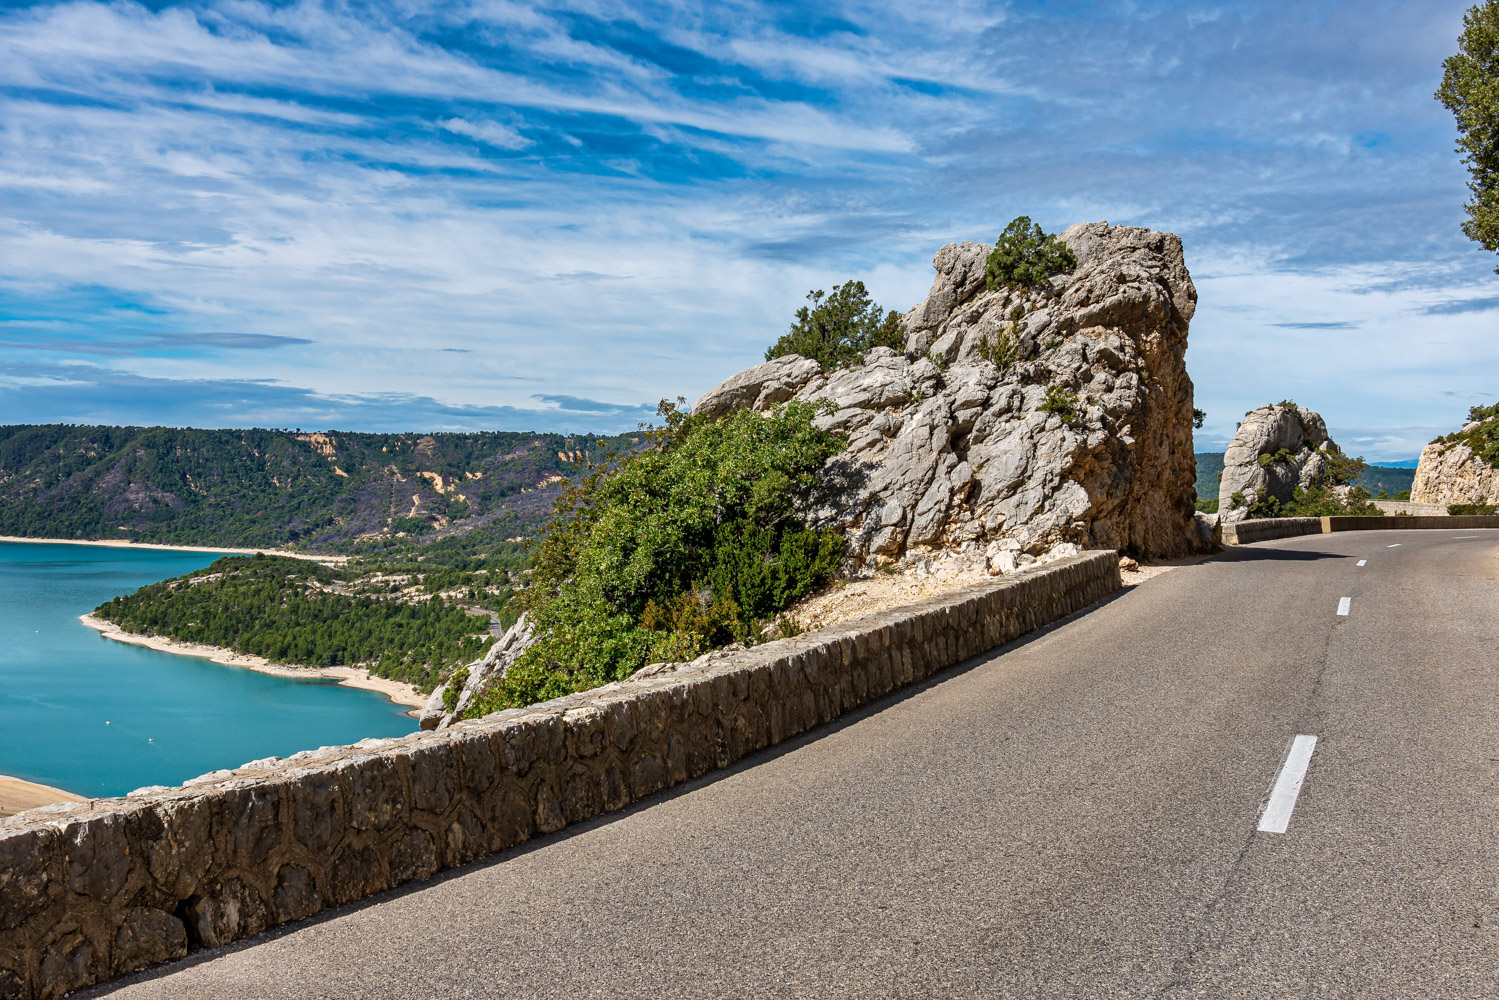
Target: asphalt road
{"x": 1074, "y": 816}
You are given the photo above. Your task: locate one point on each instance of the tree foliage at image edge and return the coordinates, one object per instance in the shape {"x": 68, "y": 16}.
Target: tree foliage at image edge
{"x": 1470, "y": 90}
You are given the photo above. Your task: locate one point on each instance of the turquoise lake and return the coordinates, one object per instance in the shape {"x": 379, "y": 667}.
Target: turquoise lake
{"x": 169, "y": 717}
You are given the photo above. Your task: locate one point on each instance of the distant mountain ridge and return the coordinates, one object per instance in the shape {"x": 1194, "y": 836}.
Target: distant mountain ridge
{"x": 253, "y": 488}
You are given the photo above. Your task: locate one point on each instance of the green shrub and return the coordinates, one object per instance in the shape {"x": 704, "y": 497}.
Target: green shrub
{"x": 1063, "y": 402}
{"x": 1209, "y": 506}
{"x": 1483, "y": 439}
{"x": 1320, "y": 499}
{"x": 1000, "y": 350}
{"x": 674, "y": 550}
{"x": 836, "y": 330}
{"x": 1026, "y": 257}
{"x": 1472, "y": 508}
{"x": 454, "y": 689}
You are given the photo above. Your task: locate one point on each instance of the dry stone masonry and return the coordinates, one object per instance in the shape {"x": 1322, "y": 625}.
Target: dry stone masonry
{"x": 1014, "y": 421}
{"x": 1277, "y": 449}
{"x": 92, "y": 890}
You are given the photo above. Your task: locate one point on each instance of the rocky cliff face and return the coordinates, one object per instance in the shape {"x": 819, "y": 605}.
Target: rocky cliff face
{"x": 1276, "y": 449}
{"x": 1450, "y": 472}
{"x": 1016, "y": 423}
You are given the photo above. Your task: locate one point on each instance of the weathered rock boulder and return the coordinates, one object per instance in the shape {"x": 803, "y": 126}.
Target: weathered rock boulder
{"x": 1277, "y": 449}
{"x": 481, "y": 673}
{"x": 1016, "y": 420}
{"x": 1451, "y": 472}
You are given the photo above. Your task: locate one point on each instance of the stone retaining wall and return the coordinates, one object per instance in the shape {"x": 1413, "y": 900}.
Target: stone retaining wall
{"x": 1244, "y": 532}
{"x": 1402, "y": 523}
{"x": 1406, "y": 507}
{"x": 1263, "y": 529}
{"x": 93, "y": 890}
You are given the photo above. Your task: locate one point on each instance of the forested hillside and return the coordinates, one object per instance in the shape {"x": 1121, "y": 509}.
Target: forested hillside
{"x": 251, "y": 488}
{"x": 295, "y": 611}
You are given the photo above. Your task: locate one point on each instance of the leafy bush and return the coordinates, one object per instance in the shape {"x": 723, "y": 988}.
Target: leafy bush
{"x": 1472, "y": 508}
{"x": 1026, "y": 257}
{"x": 1324, "y": 498}
{"x": 1208, "y": 506}
{"x": 836, "y": 330}
{"x": 1318, "y": 501}
{"x": 689, "y": 545}
{"x": 1001, "y": 351}
{"x": 1063, "y": 402}
{"x": 454, "y": 689}
{"x": 1483, "y": 439}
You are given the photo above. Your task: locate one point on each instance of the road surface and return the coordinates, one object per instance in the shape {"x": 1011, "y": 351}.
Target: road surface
{"x": 1074, "y": 816}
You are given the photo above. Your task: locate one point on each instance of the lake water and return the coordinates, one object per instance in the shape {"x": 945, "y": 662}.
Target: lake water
{"x": 169, "y": 717}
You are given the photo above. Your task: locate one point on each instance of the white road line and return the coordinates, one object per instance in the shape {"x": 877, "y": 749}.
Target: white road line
{"x": 1343, "y": 605}
{"x": 1461, "y": 537}
{"x": 1362, "y": 561}
{"x": 1395, "y": 546}
{"x": 1277, "y": 814}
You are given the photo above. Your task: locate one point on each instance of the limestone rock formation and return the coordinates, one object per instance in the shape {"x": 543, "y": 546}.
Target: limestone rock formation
{"x": 434, "y": 715}
{"x": 1277, "y": 449}
{"x": 1016, "y": 425}
{"x": 1450, "y": 472}
{"x": 1015, "y": 421}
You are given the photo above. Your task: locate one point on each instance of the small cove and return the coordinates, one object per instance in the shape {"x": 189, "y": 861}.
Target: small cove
{"x": 170, "y": 717}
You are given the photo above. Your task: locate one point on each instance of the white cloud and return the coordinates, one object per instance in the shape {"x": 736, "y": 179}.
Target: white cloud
{"x": 492, "y": 133}
{"x": 274, "y": 168}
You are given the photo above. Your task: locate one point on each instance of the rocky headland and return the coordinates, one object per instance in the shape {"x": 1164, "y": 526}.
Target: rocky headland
{"x": 1017, "y": 425}
{"x": 1277, "y": 449}
{"x": 1456, "y": 469}
{"x": 398, "y": 692}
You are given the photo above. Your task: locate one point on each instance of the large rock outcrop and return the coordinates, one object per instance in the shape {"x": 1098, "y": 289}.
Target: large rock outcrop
{"x": 482, "y": 672}
{"x": 1451, "y": 472}
{"x": 1015, "y": 426}
{"x": 1015, "y": 423}
{"x": 1277, "y": 449}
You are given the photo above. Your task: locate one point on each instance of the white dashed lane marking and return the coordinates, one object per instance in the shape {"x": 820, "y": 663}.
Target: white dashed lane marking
{"x": 1343, "y": 605}
{"x": 1362, "y": 561}
{"x": 1395, "y": 546}
{"x": 1277, "y": 814}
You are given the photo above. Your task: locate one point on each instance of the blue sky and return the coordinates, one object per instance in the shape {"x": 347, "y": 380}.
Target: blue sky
{"x": 410, "y": 215}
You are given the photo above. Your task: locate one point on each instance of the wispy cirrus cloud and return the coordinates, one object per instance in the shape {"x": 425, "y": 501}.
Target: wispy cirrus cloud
{"x": 457, "y": 204}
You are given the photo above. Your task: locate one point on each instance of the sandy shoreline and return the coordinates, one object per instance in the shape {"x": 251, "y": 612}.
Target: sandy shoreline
{"x": 125, "y": 543}
{"x": 355, "y": 677}
{"x": 17, "y": 795}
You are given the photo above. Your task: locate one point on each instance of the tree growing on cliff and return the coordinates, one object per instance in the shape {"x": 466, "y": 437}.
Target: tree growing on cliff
{"x": 836, "y": 330}
{"x": 1026, "y": 257}
{"x": 1470, "y": 90}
